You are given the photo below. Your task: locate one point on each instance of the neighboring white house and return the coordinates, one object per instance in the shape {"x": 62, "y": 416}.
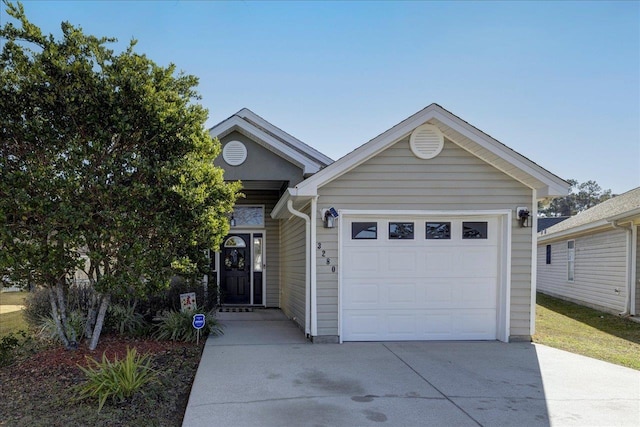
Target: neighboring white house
{"x": 592, "y": 258}
{"x": 415, "y": 235}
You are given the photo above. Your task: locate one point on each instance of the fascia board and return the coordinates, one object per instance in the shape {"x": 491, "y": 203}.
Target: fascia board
{"x": 630, "y": 215}
{"x": 366, "y": 151}
{"x": 602, "y": 224}
{"x": 280, "y": 148}
{"x": 245, "y": 112}
{"x": 554, "y": 185}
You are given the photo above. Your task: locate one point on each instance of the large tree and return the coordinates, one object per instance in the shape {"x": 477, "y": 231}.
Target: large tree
{"x": 582, "y": 196}
{"x": 105, "y": 165}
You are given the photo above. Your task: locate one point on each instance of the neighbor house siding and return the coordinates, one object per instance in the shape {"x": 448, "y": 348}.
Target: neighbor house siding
{"x": 600, "y": 270}
{"x": 395, "y": 180}
{"x": 292, "y": 269}
{"x": 637, "y": 275}
{"x": 272, "y": 244}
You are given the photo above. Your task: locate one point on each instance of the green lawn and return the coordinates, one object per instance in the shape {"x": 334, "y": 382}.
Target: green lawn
{"x": 585, "y": 331}
{"x": 12, "y": 321}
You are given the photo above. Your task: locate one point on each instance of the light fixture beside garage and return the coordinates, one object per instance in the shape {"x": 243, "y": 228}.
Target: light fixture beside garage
{"x": 426, "y": 141}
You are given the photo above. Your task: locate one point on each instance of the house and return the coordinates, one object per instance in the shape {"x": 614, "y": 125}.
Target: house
{"x": 546, "y": 222}
{"x": 592, "y": 258}
{"x": 426, "y": 232}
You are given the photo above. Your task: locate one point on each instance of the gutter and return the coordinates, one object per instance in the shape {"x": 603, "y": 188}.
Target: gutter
{"x": 630, "y": 258}
{"x": 307, "y": 259}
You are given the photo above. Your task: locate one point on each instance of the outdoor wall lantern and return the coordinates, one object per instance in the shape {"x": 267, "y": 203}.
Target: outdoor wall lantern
{"x": 232, "y": 222}
{"x": 523, "y": 216}
{"x": 329, "y": 217}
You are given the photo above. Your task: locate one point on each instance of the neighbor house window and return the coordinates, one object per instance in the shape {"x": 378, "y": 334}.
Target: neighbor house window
{"x": 401, "y": 230}
{"x": 571, "y": 260}
{"x": 548, "y": 254}
{"x": 364, "y": 230}
{"x": 474, "y": 230}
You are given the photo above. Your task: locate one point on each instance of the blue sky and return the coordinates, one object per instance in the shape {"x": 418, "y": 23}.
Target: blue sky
{"x": 559, "y": 82}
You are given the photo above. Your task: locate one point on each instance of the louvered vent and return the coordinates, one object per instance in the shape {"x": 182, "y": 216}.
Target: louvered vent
{"x": 234, "y": 153}
{"x": 426, "y": 141}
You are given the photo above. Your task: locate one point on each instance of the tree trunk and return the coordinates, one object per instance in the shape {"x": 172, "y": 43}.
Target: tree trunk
{"x": 56, "y": 318}
{"x": 91, "y": 315}
{"x": 104, "y": 304}
{"x": 70, "y": 333}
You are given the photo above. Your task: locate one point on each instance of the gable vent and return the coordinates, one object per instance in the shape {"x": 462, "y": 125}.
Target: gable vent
{"x": 234, "y": 153}
{"x": 426, "y": 141}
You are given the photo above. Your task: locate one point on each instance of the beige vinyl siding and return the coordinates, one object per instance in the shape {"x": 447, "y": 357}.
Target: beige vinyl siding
{"x": 395, "y": 180}
{"x": 600, "y": 270}
{"x": 272, "y": 244}
{"x": 292, "y": 269}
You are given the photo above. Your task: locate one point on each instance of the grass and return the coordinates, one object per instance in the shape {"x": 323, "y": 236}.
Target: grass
{"x": 12, "y": 321}
{"x": 588, "y": 332}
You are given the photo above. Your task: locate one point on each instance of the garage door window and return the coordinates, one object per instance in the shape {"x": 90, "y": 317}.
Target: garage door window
{"x": 400, "y": 230}
{"x": 438, "y": 230}
{"x": 474, "y": 230}
{"x": 364, "y": 230}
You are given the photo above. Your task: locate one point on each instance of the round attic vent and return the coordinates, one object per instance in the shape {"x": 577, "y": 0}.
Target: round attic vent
{"x": 234, "y": 153}
{"x": 426, "y": 141}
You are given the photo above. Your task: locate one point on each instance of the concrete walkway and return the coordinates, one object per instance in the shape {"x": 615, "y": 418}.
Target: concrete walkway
{"x": 263, "y": 372}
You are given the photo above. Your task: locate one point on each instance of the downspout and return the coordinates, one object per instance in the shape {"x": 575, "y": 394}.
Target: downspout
{"x": 307, "y": 279}
{"x": 627, "y": 298}
{"x": 534, "y": 260}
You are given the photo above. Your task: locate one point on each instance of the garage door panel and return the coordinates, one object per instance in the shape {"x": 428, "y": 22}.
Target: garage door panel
{"x": 420, "y": 289}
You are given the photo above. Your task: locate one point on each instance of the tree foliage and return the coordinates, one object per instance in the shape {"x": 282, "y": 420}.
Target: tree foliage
{"x": 581, "y": 197}
{"x": 105, "y": 166}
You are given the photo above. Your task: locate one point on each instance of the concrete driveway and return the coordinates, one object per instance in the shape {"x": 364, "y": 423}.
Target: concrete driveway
{"x": 263, "y": 372}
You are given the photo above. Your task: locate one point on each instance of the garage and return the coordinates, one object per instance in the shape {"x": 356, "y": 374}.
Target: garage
{"x": 419, "y": 277}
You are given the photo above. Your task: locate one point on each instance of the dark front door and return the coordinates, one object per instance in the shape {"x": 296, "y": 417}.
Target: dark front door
{"x": 235, "y": 277}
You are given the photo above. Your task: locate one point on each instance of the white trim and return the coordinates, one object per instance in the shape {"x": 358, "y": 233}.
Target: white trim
{"x": 313, "y": 267}
{"x": 266, "y": 140}
{"x": 552, "y": 183}
{"x": 534, "y": 261}
{"x": 246, "y": 113}
{"x": 633, "y": 310}
{"x": 562, "y": 235}
{"x": 504, "y": 217}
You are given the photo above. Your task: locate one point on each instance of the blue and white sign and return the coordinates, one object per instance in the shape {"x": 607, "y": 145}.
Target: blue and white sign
{"x": 198, "y": 321}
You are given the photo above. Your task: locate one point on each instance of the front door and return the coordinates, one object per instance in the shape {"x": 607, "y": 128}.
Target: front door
{"x": 235, "y": 275}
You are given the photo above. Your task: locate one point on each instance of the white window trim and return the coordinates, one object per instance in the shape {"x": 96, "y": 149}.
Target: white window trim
{"x": 571, "y": 262}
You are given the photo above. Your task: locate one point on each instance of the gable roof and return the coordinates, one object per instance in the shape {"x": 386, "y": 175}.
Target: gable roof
{"x": 458, "y": 131}
{"x": 619, "y": 208}
{"x": 272, "y": 138}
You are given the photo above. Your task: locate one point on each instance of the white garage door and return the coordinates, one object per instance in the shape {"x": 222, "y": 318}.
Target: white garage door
{"x": 419, "y": 278}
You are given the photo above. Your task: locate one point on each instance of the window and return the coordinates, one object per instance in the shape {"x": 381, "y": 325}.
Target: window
{"x": 400, "y": 230}
{"x": 548, "y": 254}
{"x": 571, "y": 260}
{"x": 247, "y": 216}
{"x": 474, "y": 230}
{"x": 364, "y": 230}
{"x": 257, "y": 252}
{"x": 438, "y": 230}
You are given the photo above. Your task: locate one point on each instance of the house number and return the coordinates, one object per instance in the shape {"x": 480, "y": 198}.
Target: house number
{"x": 323, "y": 253}
{"x": 333, "y": 268}
{"x": 319, "y": 245}
{"x": 328, "y": 261}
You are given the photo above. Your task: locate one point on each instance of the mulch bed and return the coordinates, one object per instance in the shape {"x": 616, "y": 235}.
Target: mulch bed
{"x": 37, "y": 390}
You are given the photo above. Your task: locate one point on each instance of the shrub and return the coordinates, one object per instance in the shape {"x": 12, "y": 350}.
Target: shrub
{"x": 47, "y": 330}
{"x": 38, "y": 307}
{"x": 124, "y": 319}
{"x": 177, "y": 326}
{"x": 117, "y": 380}
{"x": 8, "y": 344}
